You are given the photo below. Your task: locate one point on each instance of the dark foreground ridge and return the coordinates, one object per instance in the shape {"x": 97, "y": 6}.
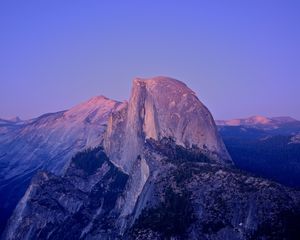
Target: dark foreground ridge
{"x": 186, "y": 198}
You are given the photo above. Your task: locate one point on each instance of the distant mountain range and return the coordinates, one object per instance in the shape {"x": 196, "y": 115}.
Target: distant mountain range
{"x": 268, "y": 147}
{"x": 257, "y": 121}
{"x": 274, "y": 125}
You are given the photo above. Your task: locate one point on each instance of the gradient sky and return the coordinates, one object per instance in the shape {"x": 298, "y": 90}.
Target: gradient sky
{"x": 242, "y": 58}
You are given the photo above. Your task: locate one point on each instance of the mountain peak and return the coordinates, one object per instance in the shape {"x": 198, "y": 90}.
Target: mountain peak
{"x": 159, "y": 80}
{"x": 162, "y": 107}
{"x": 97, "y": 104}
{"x": 258, "y": 119}
{"x": 160, "y": 110}
{"x": 97, "y": 100}
{"x": 163, "y": 85}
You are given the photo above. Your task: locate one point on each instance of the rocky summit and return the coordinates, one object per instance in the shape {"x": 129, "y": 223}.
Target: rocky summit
{"x": 161, "y": 172}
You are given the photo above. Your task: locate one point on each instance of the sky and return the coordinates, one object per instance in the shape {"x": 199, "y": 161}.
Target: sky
{"x": 242, "y": 58}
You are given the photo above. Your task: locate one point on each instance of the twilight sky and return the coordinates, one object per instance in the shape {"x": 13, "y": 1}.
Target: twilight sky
{"x": 242, "y": 58}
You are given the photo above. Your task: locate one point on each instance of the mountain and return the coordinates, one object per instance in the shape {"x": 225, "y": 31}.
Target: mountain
{"x": 161, "y": 108}
{"x": 161, "y": 172}
{"x": 47, "y": 142}
{"x": 267, "y": 147}
{"x": 275, "y": 125}
{"x": 254, "y": 120}
{"x": 257, "y": 120}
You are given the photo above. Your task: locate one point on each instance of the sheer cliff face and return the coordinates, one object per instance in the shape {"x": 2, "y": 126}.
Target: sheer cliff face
{"x": 160, "y": 108}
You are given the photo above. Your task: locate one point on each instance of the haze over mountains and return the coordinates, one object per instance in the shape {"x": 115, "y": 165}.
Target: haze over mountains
{"x": 154, "y": 167}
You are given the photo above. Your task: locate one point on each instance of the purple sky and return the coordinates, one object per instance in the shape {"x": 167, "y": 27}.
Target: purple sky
{"x": 241, "y": 57}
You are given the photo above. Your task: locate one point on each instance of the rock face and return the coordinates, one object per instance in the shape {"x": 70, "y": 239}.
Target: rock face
{"x": 160, "y": 108}
{"x": 162, "y": 173}
{"x": 47, "y": 142}
{"x": 195, "y": 200}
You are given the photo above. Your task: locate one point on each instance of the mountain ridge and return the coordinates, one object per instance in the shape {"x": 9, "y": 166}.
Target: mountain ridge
{"x": 256, "y": 120}
{"x": 160, "y": 171}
